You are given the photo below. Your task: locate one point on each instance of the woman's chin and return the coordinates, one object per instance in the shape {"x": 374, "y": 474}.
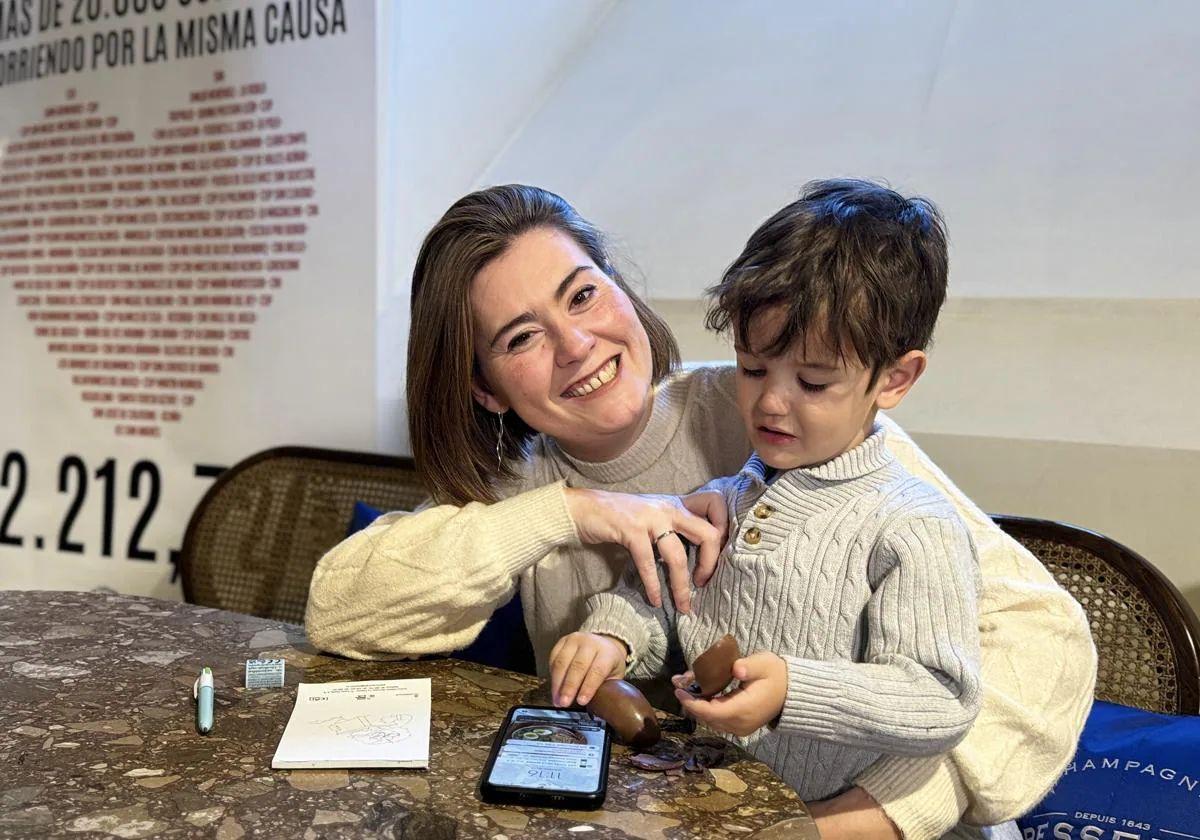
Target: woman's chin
{"x": 602, "y": 432}
{"x": 613, "y": 408}
{"x": 608, "y": 424}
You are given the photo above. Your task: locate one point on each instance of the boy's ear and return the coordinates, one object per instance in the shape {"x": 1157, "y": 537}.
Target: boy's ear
{"x": 898, "y": 378}
{"x": 484, "y": 396}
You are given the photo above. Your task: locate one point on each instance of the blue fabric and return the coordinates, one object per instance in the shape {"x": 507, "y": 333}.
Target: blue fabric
{"x": 1135, "y": 776}
{"x": 503, "y": 642}
{"x": 362, "y": 516}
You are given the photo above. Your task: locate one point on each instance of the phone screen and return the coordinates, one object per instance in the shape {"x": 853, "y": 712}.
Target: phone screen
{"x": 551, "y": 749}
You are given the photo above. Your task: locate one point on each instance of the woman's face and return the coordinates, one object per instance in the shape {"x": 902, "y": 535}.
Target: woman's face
{"x": 559, "y": 343}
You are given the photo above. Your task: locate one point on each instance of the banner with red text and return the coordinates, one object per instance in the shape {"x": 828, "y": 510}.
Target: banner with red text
{"x": 187, "y": 265}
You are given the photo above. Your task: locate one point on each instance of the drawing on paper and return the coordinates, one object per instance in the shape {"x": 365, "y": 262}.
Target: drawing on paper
{"x": 370, "y": 729}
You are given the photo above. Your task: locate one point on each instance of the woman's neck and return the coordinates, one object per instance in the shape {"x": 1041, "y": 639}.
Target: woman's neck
{"x": 613, "y": 446}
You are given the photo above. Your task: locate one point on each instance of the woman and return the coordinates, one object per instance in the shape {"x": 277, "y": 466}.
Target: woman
{"x": 540, "y": 396}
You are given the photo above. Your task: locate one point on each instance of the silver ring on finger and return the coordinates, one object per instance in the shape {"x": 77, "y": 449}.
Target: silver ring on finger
{"x": 657, "y": 554}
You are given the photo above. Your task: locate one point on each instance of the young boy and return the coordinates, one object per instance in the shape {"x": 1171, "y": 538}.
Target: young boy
{"x": 851, "y": 584}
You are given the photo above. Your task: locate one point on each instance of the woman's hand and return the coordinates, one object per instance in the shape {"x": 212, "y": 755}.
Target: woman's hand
{"x": 643, "y": 523}
{"x": 580, "y": 662}
{"x": 710, "y": 505}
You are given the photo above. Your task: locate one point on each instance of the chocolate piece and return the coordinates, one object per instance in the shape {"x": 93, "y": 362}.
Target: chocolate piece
{"x": 713, "y": 669}
{"x": 646, "y": 761}
{"x": 694, "y": 756}
{"x": 669, "y": 749}
{"x": 684, "y": 726}
{"x": 704, "y": 751}
{"x": 627, "y": 711}
{"x": 668, "y": 754}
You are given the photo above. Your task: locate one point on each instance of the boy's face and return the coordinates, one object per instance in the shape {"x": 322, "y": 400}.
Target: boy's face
{"x": 807, "y": 406}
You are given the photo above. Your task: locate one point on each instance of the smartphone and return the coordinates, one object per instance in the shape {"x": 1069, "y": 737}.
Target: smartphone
{"x": 548, "y": 758}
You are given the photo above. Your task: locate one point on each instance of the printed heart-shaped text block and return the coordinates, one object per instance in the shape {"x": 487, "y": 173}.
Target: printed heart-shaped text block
{"x": 143, "y": 262}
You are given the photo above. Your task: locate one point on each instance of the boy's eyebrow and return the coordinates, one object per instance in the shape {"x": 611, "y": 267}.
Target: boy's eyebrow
{"x": 824, "y": 368}
{"x": 527, "y": 316}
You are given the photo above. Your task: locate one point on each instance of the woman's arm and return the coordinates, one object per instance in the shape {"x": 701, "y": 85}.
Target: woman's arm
{"x": 852, "y": 816}
{"x": 427, "y": 582}
{"x": 1038, "y": 671}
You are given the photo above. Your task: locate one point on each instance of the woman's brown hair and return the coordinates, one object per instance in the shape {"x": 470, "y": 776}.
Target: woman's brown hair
{"x": 453, "y": 437}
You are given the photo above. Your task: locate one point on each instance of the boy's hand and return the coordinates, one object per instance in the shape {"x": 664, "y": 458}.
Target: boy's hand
{"x": 753, "y": 704}
{"x": 580, "y": 662}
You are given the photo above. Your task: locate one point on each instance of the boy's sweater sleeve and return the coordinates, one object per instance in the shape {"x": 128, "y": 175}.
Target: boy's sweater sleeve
{"x": 1038, "y": 672}
{"x": 428, "y": 581}
{"x": 916, "y": 690}
{"x": 624, "y": 613}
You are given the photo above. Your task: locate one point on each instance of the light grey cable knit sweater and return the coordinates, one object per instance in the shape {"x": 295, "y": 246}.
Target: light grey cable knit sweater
{"x": 863, "y": 579}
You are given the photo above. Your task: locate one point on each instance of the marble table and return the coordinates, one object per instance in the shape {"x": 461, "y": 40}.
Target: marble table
{"x": 97, "y": 738}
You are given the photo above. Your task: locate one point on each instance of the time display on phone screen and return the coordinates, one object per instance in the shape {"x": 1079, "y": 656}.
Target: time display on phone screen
{"x": 551, "y": 750}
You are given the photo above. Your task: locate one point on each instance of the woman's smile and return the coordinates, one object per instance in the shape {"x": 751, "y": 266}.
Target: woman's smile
{"x": 596, "y": 381}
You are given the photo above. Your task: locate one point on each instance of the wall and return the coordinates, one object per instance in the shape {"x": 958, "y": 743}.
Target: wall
{"x": 1059, "y": 140}
{"x": 173, "y": 219}
{"x": 1032, "y": 411}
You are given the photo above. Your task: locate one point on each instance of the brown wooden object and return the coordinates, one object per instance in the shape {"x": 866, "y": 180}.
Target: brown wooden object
{"x": 1145, "y": 632}
{"x": 254, "y": 539}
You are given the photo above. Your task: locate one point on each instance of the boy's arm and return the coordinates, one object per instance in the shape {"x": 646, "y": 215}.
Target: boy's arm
{"x": 624, "y": 613}
{"x": 1028, "y": 726}
{"x": 917, "y": 690}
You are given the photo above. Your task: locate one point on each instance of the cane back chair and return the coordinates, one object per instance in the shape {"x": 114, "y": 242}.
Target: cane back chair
{"x": 254, "y": 539}
{"x": 1146, "y": 634}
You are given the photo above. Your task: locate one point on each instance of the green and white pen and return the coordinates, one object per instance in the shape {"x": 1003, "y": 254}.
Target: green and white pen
{"x": 203, "y": 692}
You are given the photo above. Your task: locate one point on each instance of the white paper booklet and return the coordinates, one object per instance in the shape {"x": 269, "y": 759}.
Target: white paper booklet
{"x": 376, "y": 723}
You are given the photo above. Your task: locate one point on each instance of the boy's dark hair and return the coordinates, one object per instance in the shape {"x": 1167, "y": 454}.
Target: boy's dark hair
{"x": 858, "y": 262}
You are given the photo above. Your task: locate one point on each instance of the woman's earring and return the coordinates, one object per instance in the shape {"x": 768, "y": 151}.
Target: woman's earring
{"x": 500, "y": 441}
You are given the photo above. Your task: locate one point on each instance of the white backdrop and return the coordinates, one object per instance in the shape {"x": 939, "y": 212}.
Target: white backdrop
{"x": 187, "y": 269}
{"x": 1058, "y": 138}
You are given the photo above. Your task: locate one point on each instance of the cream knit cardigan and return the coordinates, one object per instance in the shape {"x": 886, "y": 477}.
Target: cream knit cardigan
{"x": 427, "y": 582}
